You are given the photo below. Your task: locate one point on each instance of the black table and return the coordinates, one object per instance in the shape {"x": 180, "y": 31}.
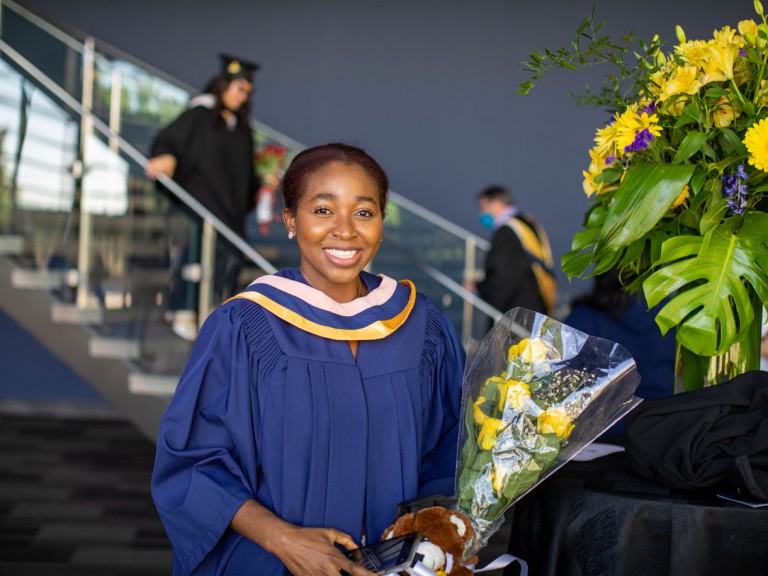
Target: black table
{"x": 600, "y": 518}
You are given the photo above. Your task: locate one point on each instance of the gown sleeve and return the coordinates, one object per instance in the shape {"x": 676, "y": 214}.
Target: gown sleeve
{"x": 199, "y": 479}
{"x": 444, "y": 360}
{"x": 176, "y": 138}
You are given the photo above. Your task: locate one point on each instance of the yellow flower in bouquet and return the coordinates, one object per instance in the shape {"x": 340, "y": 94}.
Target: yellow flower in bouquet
{"x": 677, "y": 180}
{"x": 522, "y": 403}
{"x": 756, "y": 141}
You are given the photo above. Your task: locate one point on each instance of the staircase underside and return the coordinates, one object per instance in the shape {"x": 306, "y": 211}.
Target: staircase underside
{"x": 116, "y": 379}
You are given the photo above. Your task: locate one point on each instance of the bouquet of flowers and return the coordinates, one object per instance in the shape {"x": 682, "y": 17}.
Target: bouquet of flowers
{"x": 535, "y": 393}
{"x": 269, "y": 160}
{"x": 678, "y": 176}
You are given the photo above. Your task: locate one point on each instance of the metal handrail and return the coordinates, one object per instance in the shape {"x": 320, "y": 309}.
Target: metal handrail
{"x": 139, "y": 158}
{"x": 57, "y": 33}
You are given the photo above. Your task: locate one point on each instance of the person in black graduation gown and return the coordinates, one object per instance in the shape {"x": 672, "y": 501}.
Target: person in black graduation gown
{"x": 208, "y": 150}
{"x": 518, "y": 267}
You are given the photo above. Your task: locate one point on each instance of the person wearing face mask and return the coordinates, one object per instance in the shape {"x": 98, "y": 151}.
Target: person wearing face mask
{"x": 518, "y": 267}
{"x": 315, "y": 401}
{"x": 208, "y": 150}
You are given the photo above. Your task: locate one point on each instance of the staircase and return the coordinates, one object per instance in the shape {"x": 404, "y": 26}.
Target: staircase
{"x": 84, "y": 235}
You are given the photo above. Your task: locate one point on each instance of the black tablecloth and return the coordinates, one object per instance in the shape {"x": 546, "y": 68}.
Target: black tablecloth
{"x": 599, "y": 518}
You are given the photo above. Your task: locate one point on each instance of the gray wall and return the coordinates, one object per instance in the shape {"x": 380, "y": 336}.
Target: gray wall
{"x": 428, "y": 87}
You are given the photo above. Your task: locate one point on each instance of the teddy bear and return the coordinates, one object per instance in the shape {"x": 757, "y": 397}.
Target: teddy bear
{"x": 444, "y": 534}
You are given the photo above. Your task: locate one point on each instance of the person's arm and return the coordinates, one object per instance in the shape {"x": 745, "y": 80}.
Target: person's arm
{"x": 169, "y": 144}
{"x": 165, "y": 164}
{"x": 304, "y": 551}
{"x": 202, "y": 482}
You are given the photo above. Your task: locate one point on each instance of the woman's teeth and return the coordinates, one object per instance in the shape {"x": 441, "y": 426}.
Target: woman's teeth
{"x": 343, "y": 254}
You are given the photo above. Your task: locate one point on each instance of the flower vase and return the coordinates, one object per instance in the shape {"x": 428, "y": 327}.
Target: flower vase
{"x": 693, "y": 372}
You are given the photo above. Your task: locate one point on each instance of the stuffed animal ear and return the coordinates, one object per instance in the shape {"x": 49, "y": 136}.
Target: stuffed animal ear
{"x": 463, "y": 526}
{"x": 403, "y": 525}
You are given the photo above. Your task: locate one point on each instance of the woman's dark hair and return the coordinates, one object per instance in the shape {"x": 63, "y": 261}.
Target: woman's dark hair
{"x": 307, "y": 162}
{"x": 217, "y": 86}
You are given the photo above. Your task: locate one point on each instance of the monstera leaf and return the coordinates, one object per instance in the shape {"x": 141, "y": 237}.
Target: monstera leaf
{"x": 644, "y": 197}
{"x": 706, "y": 278}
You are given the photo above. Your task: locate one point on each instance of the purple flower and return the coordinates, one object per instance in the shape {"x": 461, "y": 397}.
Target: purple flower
{"x": 610, "y": 159}
{"x": 742, "y": 52}
{"x": 650, "y": 109}
{"x": 734, "y": 190}
{"x": 642, "y": 139}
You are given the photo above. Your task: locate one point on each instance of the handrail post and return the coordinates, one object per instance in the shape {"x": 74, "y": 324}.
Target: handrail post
{"x": 85, "y": 234}
{"x": 467, "y": 322}
{"x": 207, "y": 267}
{"x": 115, "y": 108}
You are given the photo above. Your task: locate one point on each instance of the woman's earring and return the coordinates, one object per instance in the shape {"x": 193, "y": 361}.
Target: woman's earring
{"x": 291, "y": 235}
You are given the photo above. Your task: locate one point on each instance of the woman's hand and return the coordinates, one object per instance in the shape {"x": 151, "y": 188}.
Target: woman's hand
{"x": 304, "y": 551}
{"x": 312, "y": 551}
{"x": 164, "y": 164}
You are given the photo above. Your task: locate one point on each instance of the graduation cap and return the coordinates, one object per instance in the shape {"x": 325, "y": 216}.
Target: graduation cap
{"x": 237, "y": 68}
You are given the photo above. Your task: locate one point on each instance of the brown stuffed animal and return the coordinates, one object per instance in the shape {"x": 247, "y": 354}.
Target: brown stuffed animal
{"x": 444, "y": 534}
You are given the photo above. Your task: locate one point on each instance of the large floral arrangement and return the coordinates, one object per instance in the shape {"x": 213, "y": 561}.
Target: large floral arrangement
{"x": 677, "y": 178}
{"x": 535, "y": 393}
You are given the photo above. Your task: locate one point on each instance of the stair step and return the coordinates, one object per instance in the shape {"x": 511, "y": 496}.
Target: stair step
{"x": 127, "y": 349}
{"x": 152, "y": 384}
{"x": 71, "y": 314}
{"x": 37, "y": 279}
{"x": 11, "y": 245}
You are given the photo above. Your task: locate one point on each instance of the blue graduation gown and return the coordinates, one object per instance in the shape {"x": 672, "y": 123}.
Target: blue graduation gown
{"x": 268, "y": 409}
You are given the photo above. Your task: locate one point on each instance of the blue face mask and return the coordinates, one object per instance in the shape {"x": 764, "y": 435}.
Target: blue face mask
{"x": 486, "y": 220}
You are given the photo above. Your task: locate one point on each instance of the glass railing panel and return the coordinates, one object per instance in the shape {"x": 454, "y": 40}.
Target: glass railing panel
{"x": 57, "y": 55}
{"x": 37, "y": 191}
{"x": 126, "y": 268}
{"x": 145, "y": 102}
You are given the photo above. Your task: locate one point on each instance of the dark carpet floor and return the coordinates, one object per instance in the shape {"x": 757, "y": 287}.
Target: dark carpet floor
{"x": 74, "y": 499}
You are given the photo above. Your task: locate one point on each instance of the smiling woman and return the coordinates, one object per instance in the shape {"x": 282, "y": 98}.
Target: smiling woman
{"x": 315, "y": 401}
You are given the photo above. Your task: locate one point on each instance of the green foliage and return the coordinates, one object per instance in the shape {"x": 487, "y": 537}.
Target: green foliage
{"x": 676, "y": 195}
{"x": 714, "y": 269}
{"x": 629, "y": 55}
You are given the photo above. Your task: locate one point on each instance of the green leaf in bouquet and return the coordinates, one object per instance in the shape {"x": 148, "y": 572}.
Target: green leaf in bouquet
{"x": 640, "y": 202}
{"x": 709, "y": 301}
{"x": 575, "y": 264}
{"x": 606, "y": 261}
{"x": 609, "y": 176}
{"x": 715, "y": 92}
{"x": 689, "y": 219}
{"x": 697, "y": 180}
{"x": 732, "y": 143}
{"x": 691, "y": 144}
{"x": 531, "y": 465}
{"x": 709, "y": 193}
{"x": 475, "y": 472}
{"x": 714, "y": 214}
{"x": 690, "y": 115}
{"x": 710, "y": 153}
{"x": 756, "y": 187}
